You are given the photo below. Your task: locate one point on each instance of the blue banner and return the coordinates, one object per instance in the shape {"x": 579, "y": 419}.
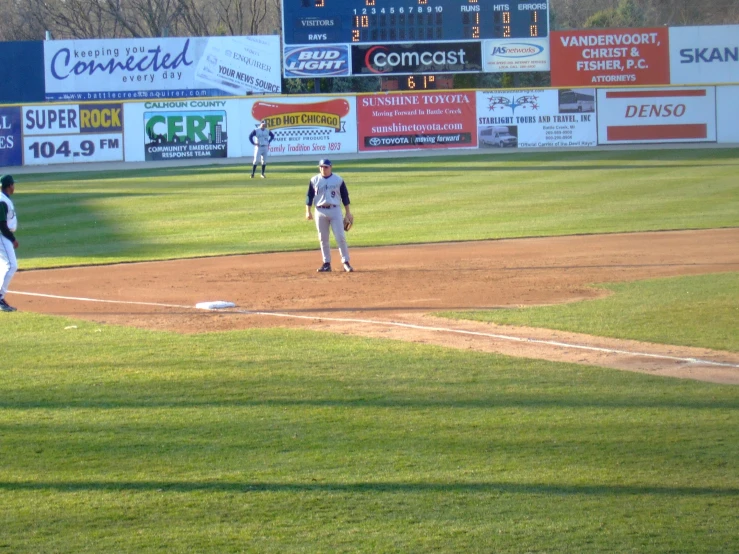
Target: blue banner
{"x": 22, "y": 68}
{"x": 10, "y": 136}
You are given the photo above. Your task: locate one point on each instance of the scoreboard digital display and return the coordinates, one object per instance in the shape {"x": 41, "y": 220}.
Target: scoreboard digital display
{"x": 315, "y": 22}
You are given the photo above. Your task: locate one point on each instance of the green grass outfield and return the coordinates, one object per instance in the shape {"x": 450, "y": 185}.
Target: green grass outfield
{"x": 123, "y": 440}
{"x": 87, "y": 218}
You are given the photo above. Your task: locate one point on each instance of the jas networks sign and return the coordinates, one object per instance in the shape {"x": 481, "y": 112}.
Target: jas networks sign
{"x": 657, "y": 115}
{"x": 610, "y": 57}
{"x": 415, "y": 121}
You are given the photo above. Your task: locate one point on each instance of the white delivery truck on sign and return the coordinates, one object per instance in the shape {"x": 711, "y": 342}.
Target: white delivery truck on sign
{"x": 497, "y": 136}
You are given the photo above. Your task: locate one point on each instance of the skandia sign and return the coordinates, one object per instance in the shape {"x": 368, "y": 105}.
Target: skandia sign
{"x": 408, "y": 59}
{"x": 315, "y": 61}
{"x": 704, "y": 55}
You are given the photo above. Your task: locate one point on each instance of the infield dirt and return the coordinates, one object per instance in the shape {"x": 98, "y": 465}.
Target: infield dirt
{"x": 395, "y": 290}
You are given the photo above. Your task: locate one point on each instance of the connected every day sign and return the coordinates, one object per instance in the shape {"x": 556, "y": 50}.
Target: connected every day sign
{"x": 180, "y": 67}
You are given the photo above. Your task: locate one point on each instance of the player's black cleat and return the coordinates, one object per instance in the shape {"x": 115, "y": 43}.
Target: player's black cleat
{"x": 252, "y": 175}
{"x": 348, "y": 268}
{"x": 324, "y": 268}
{"x": 5, "y": 307}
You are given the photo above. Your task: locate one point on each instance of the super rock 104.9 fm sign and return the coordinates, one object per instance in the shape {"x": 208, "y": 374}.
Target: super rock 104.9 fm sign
{"x": 72, "y": 133}
{"x": 121, "y": 69}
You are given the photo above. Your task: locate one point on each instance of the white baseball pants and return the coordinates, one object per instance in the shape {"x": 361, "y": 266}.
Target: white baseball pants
{"x": 8, "y": 264}
{"x": 260, "y": 153}
{"x": 331, "y": 219}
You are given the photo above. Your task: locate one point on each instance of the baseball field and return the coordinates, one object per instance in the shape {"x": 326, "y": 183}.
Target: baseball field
{"x": 537, "y": 352}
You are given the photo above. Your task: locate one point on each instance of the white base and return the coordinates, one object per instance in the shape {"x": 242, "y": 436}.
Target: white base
{"x": 215, "y": 305}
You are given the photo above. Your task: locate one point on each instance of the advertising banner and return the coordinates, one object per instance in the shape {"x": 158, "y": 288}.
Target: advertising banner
{"x": 177, "y": 67}
{"x": 414, "y": 121}
{"x": 656, "y": 115}
{"x": 610, "y": 57}
{"x": 182, "y": 129}
{"x": 185, "y": 135}
{"x": 728, "y": 114}
{"x": 72, "y": 133}
{"x": 504, "y": 55}
{"x": 704, "y": 55}
{"x": 413, "y": 58}
{"x": 317, "y": 61}
{"x": 311, "y": 125}
{"x": 536, "y": 118}
{"x": 10, "y": 136}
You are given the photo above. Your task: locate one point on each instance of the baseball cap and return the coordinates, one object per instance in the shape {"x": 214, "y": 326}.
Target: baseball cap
{"x": 7, "y": 180}
{"x": 325, "y": 162}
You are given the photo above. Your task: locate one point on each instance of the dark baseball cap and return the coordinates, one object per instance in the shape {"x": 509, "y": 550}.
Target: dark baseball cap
{"x": 325, "y": 162}
{"x": 7, "y": 180}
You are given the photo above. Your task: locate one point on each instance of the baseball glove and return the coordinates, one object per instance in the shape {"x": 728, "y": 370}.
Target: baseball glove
{"x": 348, "y": 223}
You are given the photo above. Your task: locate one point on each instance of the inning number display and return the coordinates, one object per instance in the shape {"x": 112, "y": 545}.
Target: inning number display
{"x": 309, "y": 22}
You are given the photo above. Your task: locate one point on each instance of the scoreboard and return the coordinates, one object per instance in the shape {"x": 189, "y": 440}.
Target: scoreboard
{"x": 356, "y": 25}
{"x": 377, "y": 21}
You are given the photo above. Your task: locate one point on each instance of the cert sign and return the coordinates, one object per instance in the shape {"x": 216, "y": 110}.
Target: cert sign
{"x": 364, "y": 23}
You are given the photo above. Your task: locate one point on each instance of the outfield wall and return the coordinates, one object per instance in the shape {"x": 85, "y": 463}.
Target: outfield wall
{"x": 316, "y": 126}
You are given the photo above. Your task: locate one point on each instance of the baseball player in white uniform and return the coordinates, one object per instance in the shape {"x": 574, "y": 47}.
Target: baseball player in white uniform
{"x": 8, "y": 242}
{"x": 260, "y": 138}
{"x": 328, "y": 192}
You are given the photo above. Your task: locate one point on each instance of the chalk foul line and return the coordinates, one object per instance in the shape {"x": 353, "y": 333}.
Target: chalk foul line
{"x": 496, "y": 336}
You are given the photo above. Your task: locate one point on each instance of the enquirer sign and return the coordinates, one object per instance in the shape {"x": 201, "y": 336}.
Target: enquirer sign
{"x": 610, "y": 57}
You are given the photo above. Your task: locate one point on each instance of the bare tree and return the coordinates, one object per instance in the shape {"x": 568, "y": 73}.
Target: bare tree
{"x": 28, "y": 19}
{"x": 20, "y": 21}
{"x": 573, "y": 14}
{"x": 73, "y": 18}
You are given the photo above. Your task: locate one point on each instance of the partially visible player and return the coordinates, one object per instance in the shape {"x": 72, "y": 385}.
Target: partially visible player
{"x": 260, "y": 138}
{"x": 8, "y": 242}
{"x": 328, "y": 191}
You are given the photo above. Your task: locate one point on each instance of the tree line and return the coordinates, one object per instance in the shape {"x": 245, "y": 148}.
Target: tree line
{"x": 78, "y": 19}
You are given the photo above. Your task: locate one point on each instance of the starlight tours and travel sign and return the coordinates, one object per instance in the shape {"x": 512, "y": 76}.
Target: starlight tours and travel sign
{"x": 177, "y": 67}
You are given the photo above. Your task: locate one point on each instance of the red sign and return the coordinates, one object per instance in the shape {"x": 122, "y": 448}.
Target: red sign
{"x": 656, "y": 115}
{"x": 443, "y": 119}
{"x": 610, "y": 57}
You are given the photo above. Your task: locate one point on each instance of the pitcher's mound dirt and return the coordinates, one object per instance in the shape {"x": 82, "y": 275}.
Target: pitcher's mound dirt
{"x": 395, "y": 289}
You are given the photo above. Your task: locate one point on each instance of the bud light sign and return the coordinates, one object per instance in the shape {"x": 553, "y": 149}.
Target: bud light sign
{"x": 317, "y": 61}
